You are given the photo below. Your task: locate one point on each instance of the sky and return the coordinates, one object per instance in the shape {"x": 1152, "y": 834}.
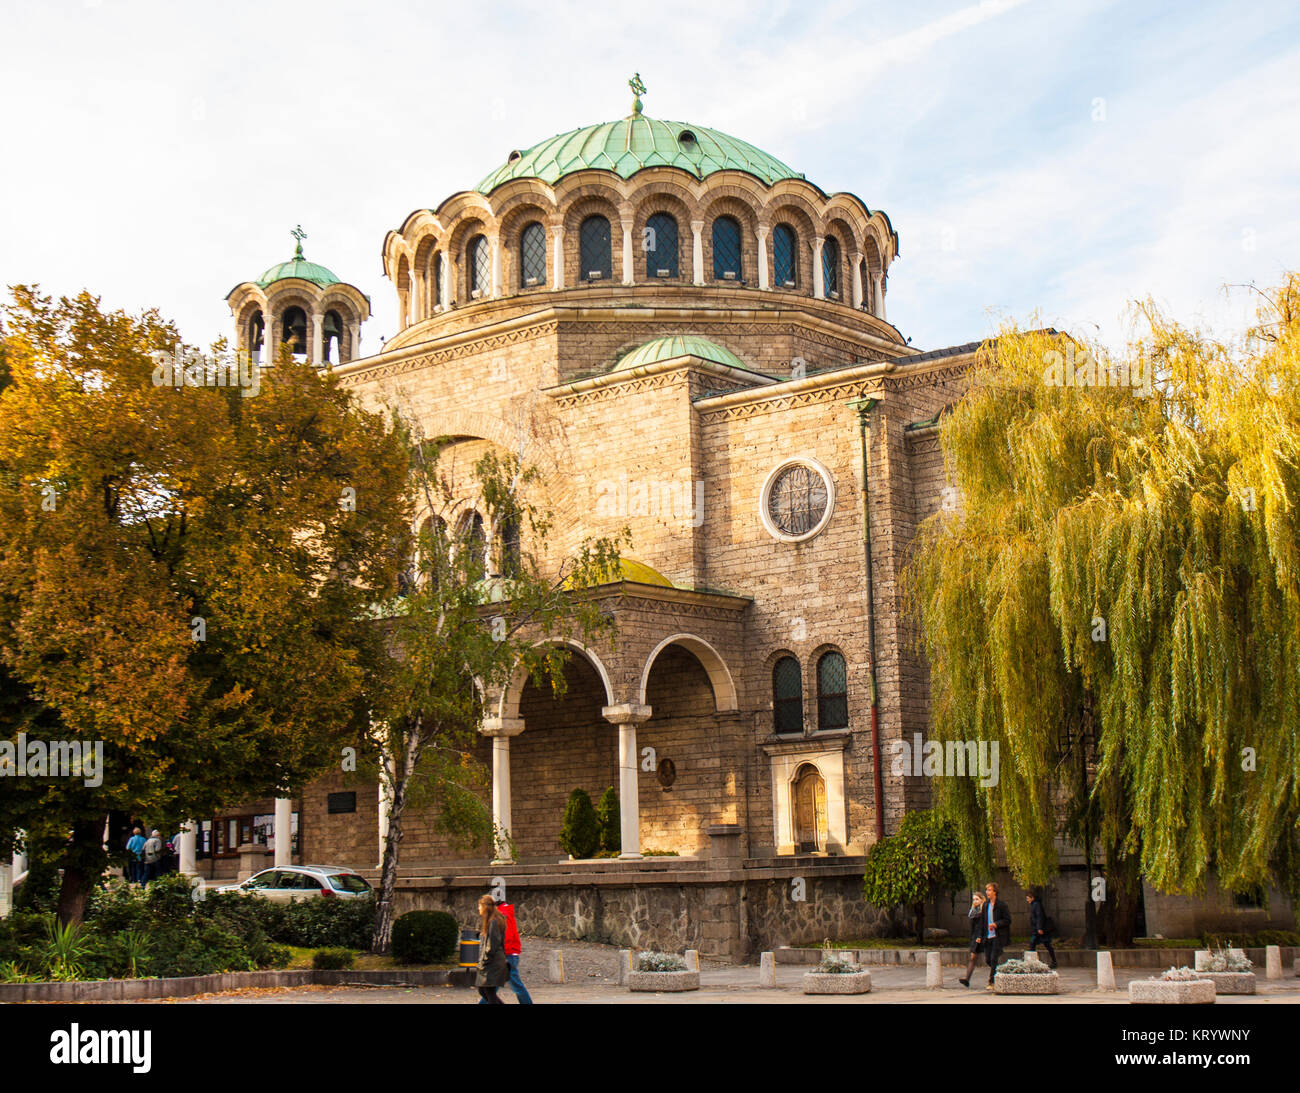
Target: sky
{"x": 1043, "y": 161}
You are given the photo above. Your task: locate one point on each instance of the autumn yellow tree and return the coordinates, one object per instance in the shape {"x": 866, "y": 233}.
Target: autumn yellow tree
{"x": 185, "y": 573}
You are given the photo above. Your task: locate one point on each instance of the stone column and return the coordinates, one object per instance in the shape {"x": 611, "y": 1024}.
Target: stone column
{"x": 283, "y": 831}
{"x": 857, "y": 280}
{"x": 557, "y": 258}
{"x": 189, "y": 848}
{"x": 446, "y": 279}
{"x": 627, "y": 717}
{"x": 501, "y": 729}
{"x": 764, "y": 281}
{"x": 269, "y": 347}
{"x": 697, "y": 250}
{"x": 629, "y": 255}
{"x": 495, "y": 244}
{"x": 880, "y": 296}
{"x": 355, "y": 349}
{"x": 819, "y": 283}
{"x": 317, "y": 334}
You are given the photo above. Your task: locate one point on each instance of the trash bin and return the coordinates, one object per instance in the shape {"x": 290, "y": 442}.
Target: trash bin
{"x": 469, "y": 947}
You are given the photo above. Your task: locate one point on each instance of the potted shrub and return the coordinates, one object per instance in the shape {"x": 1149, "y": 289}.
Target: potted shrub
{"x": 1177, "y": 986}
{"x": 662, "y": 972}
{"x": 1228, "y": 969}
{"x": 1025, "y": 977}
{"x": 835, "y": 976}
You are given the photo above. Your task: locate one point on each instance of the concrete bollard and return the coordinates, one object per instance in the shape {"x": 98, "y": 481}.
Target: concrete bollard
{"x": 555, "y": 967}
{"x": 933, "y": 970}
{"x": 1295, "y": 967}
{"x": 1105, "y": 972}
{"x": 624, "y": 966}
{"x": 692, "y": 960}
{"x": 1031, "y": 956}
{"x": 767, "y": 970}
{"x": 1272, "y": 962}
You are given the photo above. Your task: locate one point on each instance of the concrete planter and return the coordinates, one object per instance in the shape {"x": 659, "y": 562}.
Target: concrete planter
{"x": 1171, "y": 992}
{"x": 660, "y": 982}
{"x": 837, "y": 982}
{"x": 1231, "y": 982}
{"x": 1026, "y": 983}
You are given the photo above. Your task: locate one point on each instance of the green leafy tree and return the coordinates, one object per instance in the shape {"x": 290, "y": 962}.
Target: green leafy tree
{"x": 185, "y": 574}
{"x": 916, "y": 864}
{"x": 471, "y": 620}
{"x": 1116, "y": 602}
{"x": 607, "y": 815}
{"x": 580, "y": 835}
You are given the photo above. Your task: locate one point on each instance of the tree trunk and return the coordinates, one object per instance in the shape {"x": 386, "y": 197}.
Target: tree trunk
{"x": 83, "y": 865}
{"x": 402, "y": 771}
{"x": 918, "y": 910}
{"x": 1118, "y": 918}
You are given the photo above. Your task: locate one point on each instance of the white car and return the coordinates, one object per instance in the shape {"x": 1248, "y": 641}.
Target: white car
{"x": 286, "y": 883}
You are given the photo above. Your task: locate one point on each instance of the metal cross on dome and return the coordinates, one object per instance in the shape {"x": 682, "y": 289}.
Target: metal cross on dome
{"x": 638, "y": 89}
{"x": 299, "y": 235}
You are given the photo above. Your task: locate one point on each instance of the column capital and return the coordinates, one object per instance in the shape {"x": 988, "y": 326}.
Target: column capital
{"x": 697, "y": 225}
{"x": 763, "y": 231}
{"x": 626, "y": 713}
{"x": 502, "y": 726}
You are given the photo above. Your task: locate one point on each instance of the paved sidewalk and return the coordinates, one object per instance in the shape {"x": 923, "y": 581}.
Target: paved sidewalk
{"x": 591, "y": 978}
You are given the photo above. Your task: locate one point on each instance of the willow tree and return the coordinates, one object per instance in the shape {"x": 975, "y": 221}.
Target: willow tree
{"x": 1114, "y": 601}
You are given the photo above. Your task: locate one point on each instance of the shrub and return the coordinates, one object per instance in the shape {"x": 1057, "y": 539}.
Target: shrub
{"x": 169, "y": 898}
{"x": 324, "y": 922}
{"x": 660, "y": 962}
{"x": 580, "y": 835}
{"x": 1228, "y": 960}
{"x": 1022, "y": 967}
{"x": 836, "y": 967}
{"x": 425, "y": 937}
{"x": 332, "y": 959}
{"x": 248, "y": 911}
{"x": 1180, "y": 975}
{"x": 116, "y": 906}
{"x": 199, "y": 948}
{"x": 607, "y": 816}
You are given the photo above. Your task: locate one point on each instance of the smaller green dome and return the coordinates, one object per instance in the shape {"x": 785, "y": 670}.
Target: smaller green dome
{"x": 679, "y": 345}
{"x": 298, "y": 266}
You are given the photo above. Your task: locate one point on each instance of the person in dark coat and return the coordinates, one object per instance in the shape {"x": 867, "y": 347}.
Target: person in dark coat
{"x": 976, "y": 916}
{"x": 493, "y": 968}
{"x": 997, "y": 929}
{"x": 1039, "y": 928}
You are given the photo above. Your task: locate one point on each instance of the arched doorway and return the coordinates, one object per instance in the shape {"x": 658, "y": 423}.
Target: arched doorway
{"x": 809, "y": 795}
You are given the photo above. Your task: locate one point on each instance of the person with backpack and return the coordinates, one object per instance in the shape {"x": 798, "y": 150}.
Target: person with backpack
{"x": 493, "y": 971}
{"x": 1041, "y": 927}
{"x": 514, "y": 947}
{"x": 152, "y": 853}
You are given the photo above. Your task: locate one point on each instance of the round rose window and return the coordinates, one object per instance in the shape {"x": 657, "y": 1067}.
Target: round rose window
{"x": 797, "y": 500}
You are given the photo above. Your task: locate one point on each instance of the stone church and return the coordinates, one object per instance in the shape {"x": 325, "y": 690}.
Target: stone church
{"x": 690, "y": 338}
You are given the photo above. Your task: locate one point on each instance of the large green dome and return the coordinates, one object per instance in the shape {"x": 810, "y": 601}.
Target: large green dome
{"x": 634, "y": 143}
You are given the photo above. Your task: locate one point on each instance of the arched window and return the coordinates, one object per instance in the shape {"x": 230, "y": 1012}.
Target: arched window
{"x": 532, "y": 256}
{"x": 479, "y": 256}
{"x": 660, "y": 242}
{"x": 507, "y": 548}
{"x": 256, "y": 334}
{"x": 594, "y": 249}
{"x": 471, "y": 537}
{"x": 726, "y": 249}
{"x": 785, "y": 256}
{"x": 431, "y": 549}
{"x": 832, "y": 692}
{"x": 787, "y": 696}
{"x": 332, "y": 335}
{"x": 831, "y": 268}
{"x": 293, "y": 330}
{"x": 864, "y": 274}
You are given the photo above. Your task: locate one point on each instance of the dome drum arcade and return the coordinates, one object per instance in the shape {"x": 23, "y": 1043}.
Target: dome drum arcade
{"x": 666, "y": 205}
{"x": 302, "y": 305}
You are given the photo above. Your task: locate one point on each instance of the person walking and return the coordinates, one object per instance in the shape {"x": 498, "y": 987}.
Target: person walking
{"x": 135, "y": 864}
{"x": 1041, "y": 927}
{"x": 513, "y": 948}
{"x": 493, "y": 970}
{"x": 976, "y": 916}
{"x": 152, "y": 853}
{"x": 997, "y": 929}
